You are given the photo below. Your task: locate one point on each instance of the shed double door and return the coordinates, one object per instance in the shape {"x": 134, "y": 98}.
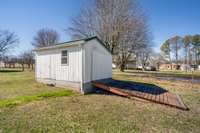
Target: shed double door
{"x": 52, "y": 67}
{"x": 48, "y": 67}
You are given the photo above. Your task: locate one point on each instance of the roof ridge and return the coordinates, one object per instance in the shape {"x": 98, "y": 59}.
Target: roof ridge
{"x": 83, "y": 39}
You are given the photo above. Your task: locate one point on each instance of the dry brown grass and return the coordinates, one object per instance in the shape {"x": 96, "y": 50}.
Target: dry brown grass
{"x": 106, "y": 113}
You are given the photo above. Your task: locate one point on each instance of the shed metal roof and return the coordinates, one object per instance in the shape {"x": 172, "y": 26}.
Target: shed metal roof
{"x": 72, "y": 43}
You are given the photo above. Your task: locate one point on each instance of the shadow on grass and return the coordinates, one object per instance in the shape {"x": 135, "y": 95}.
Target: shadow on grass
{"x": 9, "y": 71}
{"x": 133, "y": 86}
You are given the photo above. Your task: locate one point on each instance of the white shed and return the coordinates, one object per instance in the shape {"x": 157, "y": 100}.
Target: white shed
{"x": 74, "y": 64}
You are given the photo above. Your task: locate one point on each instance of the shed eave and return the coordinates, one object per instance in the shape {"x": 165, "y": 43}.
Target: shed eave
{"x": 59, "y": 46}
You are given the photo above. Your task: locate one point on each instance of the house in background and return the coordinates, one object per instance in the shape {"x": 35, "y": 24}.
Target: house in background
{"x": 74, "y": 64}
{"x": 182, "y": 67}
{"x": 131, "y": 64}
{"x": 1, "y": 64}
{"x": 169, "y": 66}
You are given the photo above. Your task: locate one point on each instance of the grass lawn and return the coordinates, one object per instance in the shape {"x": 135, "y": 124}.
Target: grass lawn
{"x": 173, "y": 73}
{"x": 18, "y": 87}
{"x": 17, "y": 83}
{"x": 94, "y": 113}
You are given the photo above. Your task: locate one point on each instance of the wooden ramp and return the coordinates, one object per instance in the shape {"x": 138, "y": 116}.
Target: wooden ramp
{"x": 134, "y": 90}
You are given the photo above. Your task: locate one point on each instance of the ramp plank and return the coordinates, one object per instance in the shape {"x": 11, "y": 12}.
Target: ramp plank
{"x": 154, "y": 95}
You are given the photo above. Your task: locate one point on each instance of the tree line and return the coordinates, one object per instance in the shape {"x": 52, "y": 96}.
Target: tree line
{"x": 120, "y": 24}
{"x": 9, "y": 40}
{"x": 184, "y": 50}
{"x": 123, "y": 27}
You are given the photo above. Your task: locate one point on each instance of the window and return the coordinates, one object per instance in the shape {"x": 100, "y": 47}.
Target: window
{"x": 64, "y": 57}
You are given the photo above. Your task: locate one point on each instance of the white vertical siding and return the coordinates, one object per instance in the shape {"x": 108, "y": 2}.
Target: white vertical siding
{"x": 48, "y": 65}
{"x": 98, "y": 62}
{"x": 102, "y": 68}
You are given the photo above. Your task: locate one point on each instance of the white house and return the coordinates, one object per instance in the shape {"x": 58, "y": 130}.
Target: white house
{"x": 1, "y": 64}
{"x": 74, "y": 64}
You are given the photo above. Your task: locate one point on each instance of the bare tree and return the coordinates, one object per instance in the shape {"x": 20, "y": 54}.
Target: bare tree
{"x": 45, "y": 37}
{"x": 175, "y": 43}
{"x": 8, "y": 40}
{"x": 26, "y": 58}
{"x": 143, "y": 57}
{"x": 166, "y": 51}
{"x": 196, "y": 48}
{"x": 183, "y": 49}
{"x": 120, "y": 24}
{"x": 187, "y": 42}
{"x": 21, "y": 62}
{"x": 165, "y": 48}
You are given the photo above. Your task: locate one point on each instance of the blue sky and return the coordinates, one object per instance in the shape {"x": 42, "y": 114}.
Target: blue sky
{"x": 25, "y": 17}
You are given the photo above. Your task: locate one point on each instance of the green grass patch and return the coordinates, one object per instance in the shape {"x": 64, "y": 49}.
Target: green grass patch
{"x": 92, "y": 113}
{"x": 25, "y": 99}
{"x": 174, "y": 73}
{"x": 16, "y": 84}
